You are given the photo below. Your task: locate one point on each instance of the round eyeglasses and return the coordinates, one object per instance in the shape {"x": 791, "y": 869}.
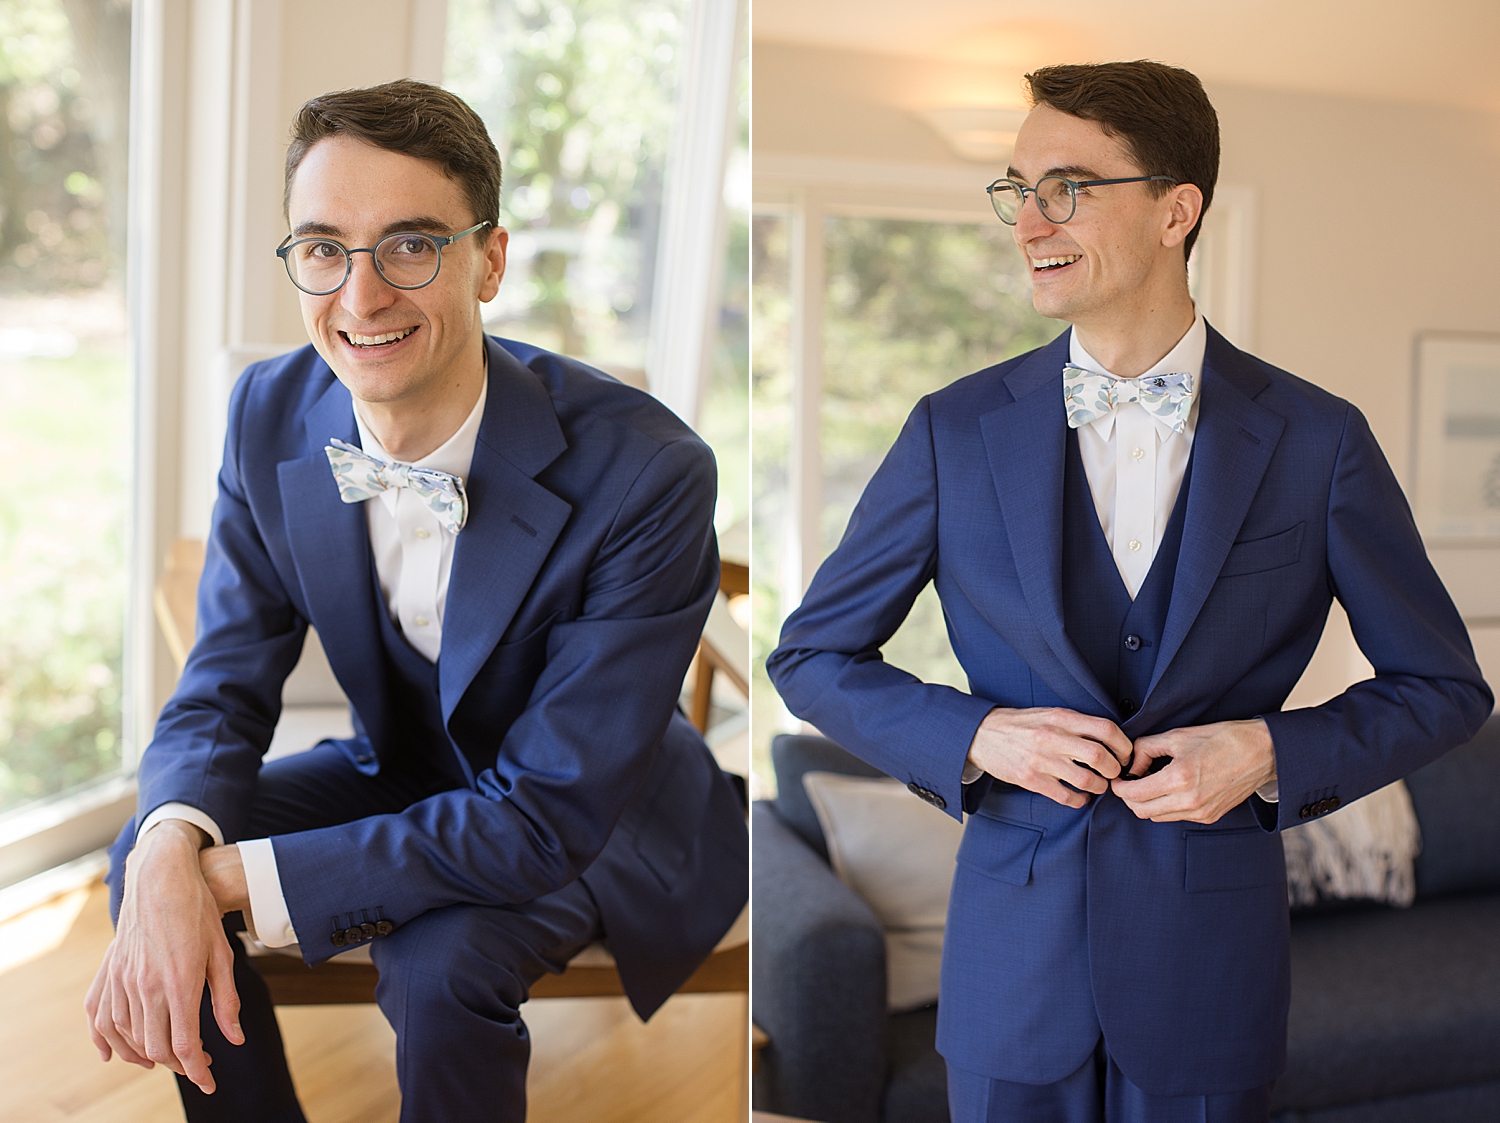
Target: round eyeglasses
{"x": 406, "y": 260}
{"x": 1056, "y": 197}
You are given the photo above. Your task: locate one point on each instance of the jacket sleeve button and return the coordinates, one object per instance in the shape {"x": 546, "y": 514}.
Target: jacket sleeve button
{"x": 1306, "y": 812}
{"x": 353, "y": 935}
{"x": 368, "y": 929}
{"x": 384, "y": 927}
{"x": 1333, "y": 804}
{"x": 338, "y": 938}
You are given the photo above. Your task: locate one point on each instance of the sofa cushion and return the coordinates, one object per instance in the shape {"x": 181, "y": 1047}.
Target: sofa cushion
{"x": 1457, "y": 800}
{"x": 898, "y": 853}
{"x": 1389, "y": 1002}
{"x": 792, "y": 754}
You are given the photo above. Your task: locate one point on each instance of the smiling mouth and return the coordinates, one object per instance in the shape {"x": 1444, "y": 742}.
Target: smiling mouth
{"x": 375, "y": 342}
{"x": 1051, "y": 264}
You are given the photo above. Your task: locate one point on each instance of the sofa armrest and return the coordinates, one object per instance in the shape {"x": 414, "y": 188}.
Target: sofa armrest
{"x": 818, "y": 981}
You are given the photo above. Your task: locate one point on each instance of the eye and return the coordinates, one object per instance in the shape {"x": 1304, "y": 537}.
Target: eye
{"x": 410, "y": 245}
{"x": 321, "y": 251}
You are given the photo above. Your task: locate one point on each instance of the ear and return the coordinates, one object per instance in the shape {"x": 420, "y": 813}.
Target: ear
{"x": 494, "y": 263}
{"x": 1184, "y": 206}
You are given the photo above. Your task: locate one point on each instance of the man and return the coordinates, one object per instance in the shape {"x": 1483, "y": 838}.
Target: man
{"x": 509, "y": 558}
{"x": 1136, "y": 532}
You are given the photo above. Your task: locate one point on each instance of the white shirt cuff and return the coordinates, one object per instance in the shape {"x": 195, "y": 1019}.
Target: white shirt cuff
{"x": 972, "y": 772}
{"x": 269, "y": 920}
{"x": 1271, "y": 792}
{"x": 185, "y": 812}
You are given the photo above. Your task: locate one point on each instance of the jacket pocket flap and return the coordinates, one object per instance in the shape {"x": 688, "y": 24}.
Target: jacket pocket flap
{"x": 999, "y": 848}
{"x": 1260, "y": 554}
{"x": 1241, "y": 858}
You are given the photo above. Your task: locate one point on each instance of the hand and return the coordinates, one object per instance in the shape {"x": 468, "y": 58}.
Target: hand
{"x": 1214, "y": 768}
{"x": 1043, "y": 750}
{"x": 143, "y": 1004}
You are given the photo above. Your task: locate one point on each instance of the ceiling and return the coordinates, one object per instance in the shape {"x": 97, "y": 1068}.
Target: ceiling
{"x": 1437, "y": 52}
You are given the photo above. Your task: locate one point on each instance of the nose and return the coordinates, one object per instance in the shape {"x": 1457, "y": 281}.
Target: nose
{"x": 1031, "y": 223}
{"x": 365, "y": 292}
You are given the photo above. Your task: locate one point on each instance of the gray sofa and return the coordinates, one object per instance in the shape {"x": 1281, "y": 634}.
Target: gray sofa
{"x": 1395, "y": 1013}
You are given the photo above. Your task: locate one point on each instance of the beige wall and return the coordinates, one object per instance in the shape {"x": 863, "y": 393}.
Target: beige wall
{"x": 1375, "y": 220}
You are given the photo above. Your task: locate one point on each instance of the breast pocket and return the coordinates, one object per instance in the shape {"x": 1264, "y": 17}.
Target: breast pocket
{"x": 1261, "y": 554}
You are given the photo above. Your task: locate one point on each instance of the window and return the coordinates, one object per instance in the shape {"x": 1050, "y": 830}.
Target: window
{"x": 582, "y": 98}
{"x": 65, "y": 395}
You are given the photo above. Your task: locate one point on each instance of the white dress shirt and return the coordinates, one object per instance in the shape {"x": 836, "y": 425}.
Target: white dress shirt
{"x": 413, "y": 559}
{"x": 1135, "y": 462}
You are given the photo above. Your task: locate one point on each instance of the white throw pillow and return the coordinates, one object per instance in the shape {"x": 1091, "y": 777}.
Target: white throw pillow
{"x": 898, "y": 854}
{"x": 1366, "y": 850}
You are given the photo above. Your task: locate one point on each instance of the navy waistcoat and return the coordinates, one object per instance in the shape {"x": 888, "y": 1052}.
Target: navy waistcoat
{"x": 1117, "y": 637}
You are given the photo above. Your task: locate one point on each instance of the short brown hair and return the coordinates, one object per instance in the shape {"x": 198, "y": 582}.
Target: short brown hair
{"x": 413, "y": 118}
{"x": 1161, "y": 112}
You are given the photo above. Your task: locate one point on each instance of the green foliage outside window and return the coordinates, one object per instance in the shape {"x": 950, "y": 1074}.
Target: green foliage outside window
{"x": 64, "y": 392}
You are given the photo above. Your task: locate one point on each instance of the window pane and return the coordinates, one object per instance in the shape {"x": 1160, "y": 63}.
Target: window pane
{"x": 724, "y": 419}
{"x": 771, "y": 421}
{"x": 65, "y": 403}
{"x": 910, "y": 306}
{"x": 578, "y": 96}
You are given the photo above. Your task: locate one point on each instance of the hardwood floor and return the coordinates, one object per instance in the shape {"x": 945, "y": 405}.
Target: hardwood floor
{"x": 592, "y": 1059}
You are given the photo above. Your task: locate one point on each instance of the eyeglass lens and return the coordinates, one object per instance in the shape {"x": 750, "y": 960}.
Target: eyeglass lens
{"x": 1054, "y": 197}
{"x": 407, "y": 261}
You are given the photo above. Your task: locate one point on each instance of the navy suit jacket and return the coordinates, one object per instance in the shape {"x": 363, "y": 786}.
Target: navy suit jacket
{"x": 1171, "y": 938}
{"x": 579, "y": 588}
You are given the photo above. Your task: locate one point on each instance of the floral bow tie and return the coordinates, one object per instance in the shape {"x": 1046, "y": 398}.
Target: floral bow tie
{"x": 360, "y": 476}
{"x": 1089, "y": 396}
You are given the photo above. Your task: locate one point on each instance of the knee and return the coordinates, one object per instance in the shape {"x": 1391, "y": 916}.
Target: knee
{"x": 450, "y": 961}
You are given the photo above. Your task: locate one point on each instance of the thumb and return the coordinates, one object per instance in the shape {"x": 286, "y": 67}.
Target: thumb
{"x": 226, "y": 1000}
{"x": 1148, "y": 750}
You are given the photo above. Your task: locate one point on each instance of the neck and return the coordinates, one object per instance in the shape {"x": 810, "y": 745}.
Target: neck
{"x": 416, "y": 426}
{"x": 1127, "y": 342}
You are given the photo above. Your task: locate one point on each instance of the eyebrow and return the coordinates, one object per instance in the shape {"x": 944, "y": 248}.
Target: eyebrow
{"x": 1068, "y": 171}
{"x": 421, "y": 224}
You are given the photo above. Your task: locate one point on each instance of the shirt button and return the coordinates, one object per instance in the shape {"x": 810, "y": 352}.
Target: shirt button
{"x": 1137, "y": 453}
{"x": 421, "y": 532}
{"x": 1135, "y": 544}
{"x": 420, "y": 621}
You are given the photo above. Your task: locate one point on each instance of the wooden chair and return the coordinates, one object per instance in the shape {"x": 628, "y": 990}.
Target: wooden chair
{"x": 350, "y": 977}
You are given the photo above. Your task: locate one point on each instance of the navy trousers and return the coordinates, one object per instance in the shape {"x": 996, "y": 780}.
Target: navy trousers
{"x": 451, "y": 981}
{"x": 1097, "y": 1093}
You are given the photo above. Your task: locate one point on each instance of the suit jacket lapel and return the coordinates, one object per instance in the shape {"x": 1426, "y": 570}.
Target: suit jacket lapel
{"x": 330, "y": 546}
{"x": 1232, "y": 447}
{"x": 513, "y": 520}
{"x": 1025, "y": 441}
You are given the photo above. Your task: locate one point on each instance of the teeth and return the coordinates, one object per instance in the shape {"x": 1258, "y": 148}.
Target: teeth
{"x": 1043, "y": 262}
{"x": 373, "y": 340}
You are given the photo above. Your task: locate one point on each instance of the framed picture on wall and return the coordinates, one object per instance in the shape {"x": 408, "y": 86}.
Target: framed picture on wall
{"x": 1456, "y": 443}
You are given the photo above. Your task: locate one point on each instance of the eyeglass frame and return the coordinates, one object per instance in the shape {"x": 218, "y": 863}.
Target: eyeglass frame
{"x": 1073, "y": 186}
{"x": 287, "y": 246}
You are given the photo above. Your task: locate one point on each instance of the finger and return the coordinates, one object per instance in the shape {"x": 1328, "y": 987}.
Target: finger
{"x": 1082, "y": 778}
{"x": 1095, "y": 756}
{"x": 1060, "y": 793}
{"x": 91, "y": 1008}
{"x": 187, "y": 1047}
{"x": 103, "y": 1028}
{"x": 1148, "y": 749}
{"x": 226, "y": 1000}
{"x": 131, "y": 1030}
{"x": 1106, "y": 733}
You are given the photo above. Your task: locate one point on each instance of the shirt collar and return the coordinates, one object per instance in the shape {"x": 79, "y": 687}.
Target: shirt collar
{"x": 1186, "y": 355}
